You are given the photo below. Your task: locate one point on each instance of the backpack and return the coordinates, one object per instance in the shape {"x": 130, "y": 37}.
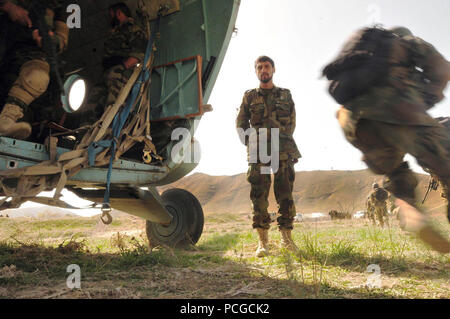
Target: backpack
{"x": 361, "y": 64}
{"x": 381, "y": 195}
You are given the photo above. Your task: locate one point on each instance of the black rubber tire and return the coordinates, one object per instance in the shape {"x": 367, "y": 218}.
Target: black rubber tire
{"x": 187, "y": 223}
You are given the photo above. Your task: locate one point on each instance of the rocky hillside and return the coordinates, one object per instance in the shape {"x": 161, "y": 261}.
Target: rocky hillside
{"x": 314, "y": 191}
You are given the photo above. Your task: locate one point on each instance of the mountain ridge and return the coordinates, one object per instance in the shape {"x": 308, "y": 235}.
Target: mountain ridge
{"x": 314, "y": 191}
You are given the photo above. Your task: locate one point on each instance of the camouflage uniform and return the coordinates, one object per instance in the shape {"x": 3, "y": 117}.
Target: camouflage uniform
{"x": 17, "y": 46}
{"x": 390, "y": 120}
{"x": 271, "y": 108}
{"x": 25, "y": 67}
{"x": 126, "y": 40}
{"x": 376, "y": 208}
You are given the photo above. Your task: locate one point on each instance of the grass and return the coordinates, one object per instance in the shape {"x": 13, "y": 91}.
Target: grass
{"x": 332, "y": 261}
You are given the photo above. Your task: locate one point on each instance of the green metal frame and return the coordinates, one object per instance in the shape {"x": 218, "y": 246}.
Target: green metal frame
{"x": 190, "y": 32}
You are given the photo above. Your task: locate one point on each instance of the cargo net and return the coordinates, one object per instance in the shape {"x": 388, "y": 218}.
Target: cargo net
{"x": 103, "y": 140}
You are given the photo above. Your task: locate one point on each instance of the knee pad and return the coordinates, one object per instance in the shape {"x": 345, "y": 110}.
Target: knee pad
{"x": 32, "y": 81}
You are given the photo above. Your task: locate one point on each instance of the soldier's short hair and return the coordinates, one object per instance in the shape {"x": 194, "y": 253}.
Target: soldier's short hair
{"x": 264, "y": 58}
{"x": 122, "y": 7}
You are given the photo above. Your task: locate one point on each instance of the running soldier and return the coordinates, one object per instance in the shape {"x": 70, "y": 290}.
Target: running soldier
{"x": 386, "y": 81}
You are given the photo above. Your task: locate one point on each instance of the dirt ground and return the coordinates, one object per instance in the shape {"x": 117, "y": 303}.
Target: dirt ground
{"x": 334, "y": 261}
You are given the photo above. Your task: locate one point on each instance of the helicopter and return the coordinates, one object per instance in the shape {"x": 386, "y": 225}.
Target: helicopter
{"x": 145, "y": 139}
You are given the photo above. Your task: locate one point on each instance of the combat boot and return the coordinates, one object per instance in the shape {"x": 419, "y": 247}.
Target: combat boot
{"x": 263, "y": 244}
{"x": 8, "y": 122}
{"x": 287, "y": 241}
{"x": 414, "y": 221}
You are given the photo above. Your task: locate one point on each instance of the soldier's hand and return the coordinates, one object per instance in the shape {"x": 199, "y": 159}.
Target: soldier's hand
{"x": 130, "y": 62}
{"x": 17, "y": 14}
{"x": 37, "y": 37}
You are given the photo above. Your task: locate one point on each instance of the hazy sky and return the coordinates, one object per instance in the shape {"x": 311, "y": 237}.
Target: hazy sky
{"x": 303, "y": 36}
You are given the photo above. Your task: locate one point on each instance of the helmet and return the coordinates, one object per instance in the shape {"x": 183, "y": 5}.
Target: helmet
{"x": 401, "y": 31}
{"x": 375, "y": 185}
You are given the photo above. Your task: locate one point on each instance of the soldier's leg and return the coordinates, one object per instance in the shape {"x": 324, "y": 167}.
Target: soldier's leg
{"x": 373, "y": 218}
{"x": 31, "y": 83}
{"x": 371, "y": 212}
{"x": 382, "y": 154}
{"x": 259, "y": 194}
{"x": 380, "y": 216}
{"x": 116, "y": 78}
{"x": 429, "y": 145}
{"x": 384, "y": 146}
{"x": 283, "y": 187}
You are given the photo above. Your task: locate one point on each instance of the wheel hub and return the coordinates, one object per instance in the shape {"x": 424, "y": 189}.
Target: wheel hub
{"x": 170, "y": 229}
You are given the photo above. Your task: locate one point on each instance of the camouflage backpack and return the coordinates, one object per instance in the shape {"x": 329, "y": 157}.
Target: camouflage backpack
{"x": 361, "y": 64}
{"x": 381, "y": 195}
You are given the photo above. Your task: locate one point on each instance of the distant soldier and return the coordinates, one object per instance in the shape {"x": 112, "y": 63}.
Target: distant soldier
{"x": 124, "y": 49}
{"x": 386, "y": 80}
{"x": 270, "y": 107}
{"x": 377, "y": 205}
{"x": 24, "y": 65}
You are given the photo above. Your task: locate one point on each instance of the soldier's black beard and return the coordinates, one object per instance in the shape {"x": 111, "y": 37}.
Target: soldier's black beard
{"x": 266, "y": 80}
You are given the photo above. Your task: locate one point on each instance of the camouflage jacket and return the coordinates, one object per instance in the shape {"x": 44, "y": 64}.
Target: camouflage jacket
{"x": 126, "y": 40}
{"x": 270, "y": 109}
{"x": 415, "y": 83}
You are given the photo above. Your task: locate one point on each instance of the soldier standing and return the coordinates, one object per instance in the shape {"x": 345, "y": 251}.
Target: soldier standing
{"x": 377, "y": 205}
{"x": 388, "y": 119}
{"x": 24, "y": 65}
{"x": 270, "y": 107}
{"x": 124, "y": 49}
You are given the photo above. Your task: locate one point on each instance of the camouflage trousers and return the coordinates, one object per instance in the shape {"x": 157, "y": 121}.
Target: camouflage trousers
{"x": 105, "y": 93}
{"x": 259, "y": 194}
{"x": 384, "y": 146}
{"x": 378, "y": 212}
